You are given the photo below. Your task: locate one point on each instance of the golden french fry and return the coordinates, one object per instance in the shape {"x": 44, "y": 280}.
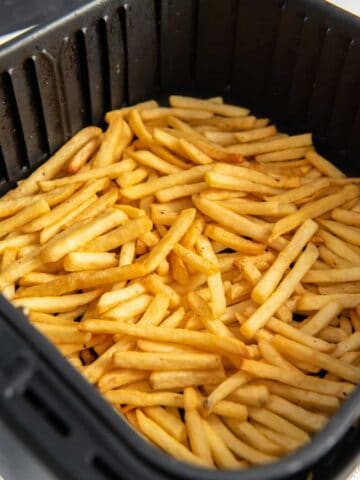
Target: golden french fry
{"x": 57, "y": 304}
{"x": 322, "y": 360}
{"x": 306, "y": 399}
{"x": 169, "y": 422}
{"x": 313, "y": 384}
{"x": 80, "y": 234}
{"x": 166, "y": 361}
{"x": 238, "y": 447}
{"x": 110, "y": 171}
{"x": 253, "y": 437}
{"x": 54, "y": 165}
{"x": 124, "y": 112}
{"x": 152, "y": 186}
{"x": 271, "y": 420}
{"x": 314, "y": 209}
{"x": 151, "y": 160}
{"x": 118, "y": 378}
{"x": 281, "y": 294}
{"x": 106, "y": 153}
{"x": 83, "y": 155}
{"x": 255, "y": 148}
{"x": 161, "y": 438}
{"x": 195, "y": 103}
{"x": 62, "y": 333}
{"x": 21, "y": 218}
{"x": 222, "y": 455}
{"x": 203, "y": 341}
{"x": 323, "y": 165}
{"x": 309, "y": 302}
{"x": 195, "y": 427}
{"x": 235, "y": 222}
{"x": 347, "y": 233}
{"x": 75, "y": 261}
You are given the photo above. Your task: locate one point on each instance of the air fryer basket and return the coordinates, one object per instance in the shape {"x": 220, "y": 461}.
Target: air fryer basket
{"x": 297, "y": 61}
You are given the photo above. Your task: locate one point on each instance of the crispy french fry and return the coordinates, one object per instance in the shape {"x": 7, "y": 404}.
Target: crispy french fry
{"x": 281, "y": 294}
{"x": 302, "y": 352}
{"x": 161, "y": 438}
{"x": 323, "y": 165}
{"x": 313, "y": 209}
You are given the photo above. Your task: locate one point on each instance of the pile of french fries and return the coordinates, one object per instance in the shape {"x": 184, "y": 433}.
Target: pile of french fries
{"x": 200, "y": 268}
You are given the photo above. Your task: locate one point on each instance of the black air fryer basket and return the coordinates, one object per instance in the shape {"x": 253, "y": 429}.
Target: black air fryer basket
{"x": 297, "y": 61}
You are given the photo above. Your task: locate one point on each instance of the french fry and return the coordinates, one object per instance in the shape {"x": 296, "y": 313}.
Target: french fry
{"x": 152, "y": 186}
{"x": 110, "y": 299}
{"x": 309, "y": 421}
{"x": 169, "y": 240}
{"x": 83, "y": 155}
{"x": 220, "y": 109}
{"x": 184, "y": 114}
{"x": 256, "y": 148}
{"x": 106, "y": 153}
{"x": 349, "y": 344}
{"x": 283, "y": 155}
{"x": 80, "y": 234}
{"x": 339, "y": 247}
{"x": 271, "y": 420}
{"x": 313, "y": 209}
{"x": 235, "y": 222}
{"x": 161, "y": 438}
{"x": 54, "y": 165}
{"x": 218, "y": 300}
{"x": 75, "y": 261}
{"x": 306, "y": 399}
{"x": 313, "y": 384}
{"x": 346, "y": 216}
{"x": 231, "y": 240}
{"x": 298, "y": 335}
{"x": 62, "y": 209}
{"x": 323, "y": 165}
{"x": 237, "y": 446}
{"x": 138, "y": 127}
{"x": 118, "y": 378}
{"x": 151, "y": 160}
{"x": 180, "y": 191}
{"x": 256, "y": 134}
{"x": 251, "y": 395}
{"x": 155, "y": 285}
{"x": 252, "y": 436}
{"x": 110, "y": 171}
{"x": 62, "y": 333}
{"x": 281, "y": 294}
{"x": 220, "y": 452}
{"x": 24, "y": 216}
{"x": 218, "y": 180}
{"x": 53, "y": 229}
{"x": 345, "y": 232}
{"x": 224, "y": 389}
{"x": 273, "y": 357}
{"x": 310, "y": 302}
{"x": 301, "y": 192}
{"x": 166, "y": 361}
{"x": 302, "y": 352}
{"x": 124, "y": 112}
{"x": 203, "y": 341}
{"x": 121, "y": 235}
{"x": 57, "y": 304}
{"x": 249, "y": 207}
{"x": 272, "y": 277}
{"x": 170, "y": 423}
{"x": 130, "y": 308}
{"x": 195, "y": 427}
